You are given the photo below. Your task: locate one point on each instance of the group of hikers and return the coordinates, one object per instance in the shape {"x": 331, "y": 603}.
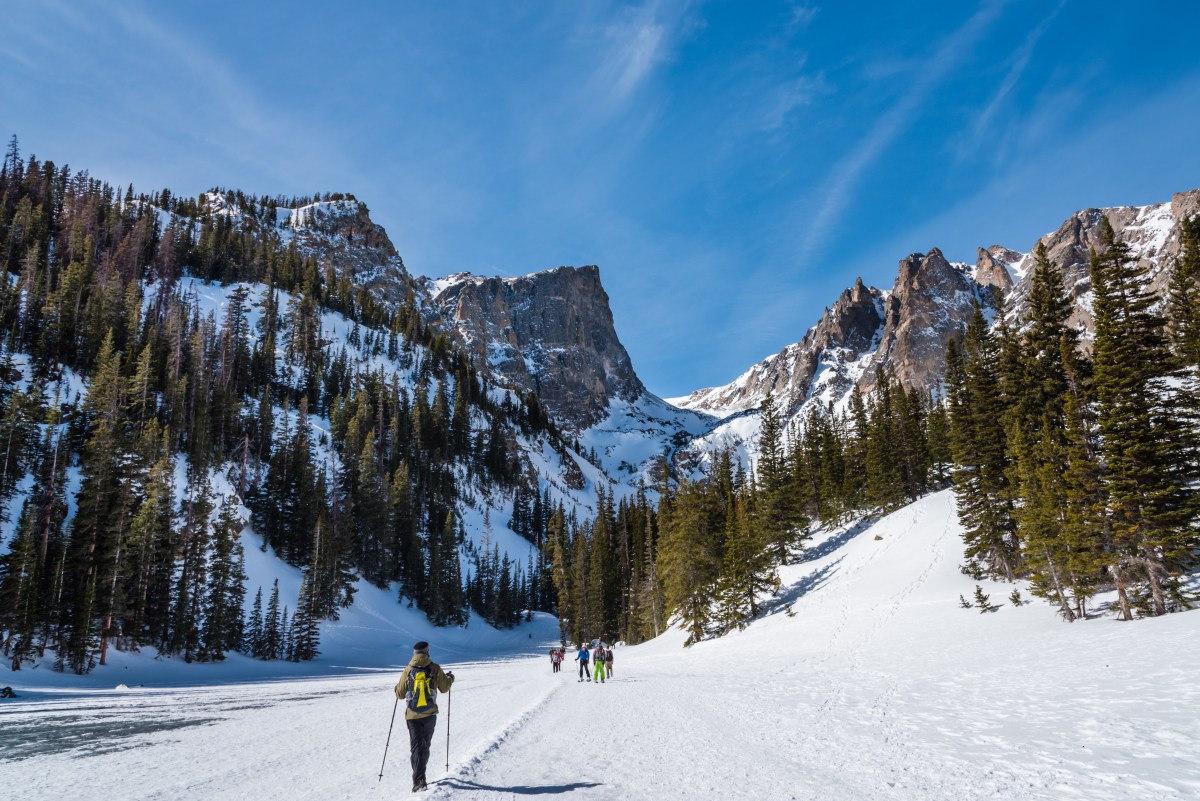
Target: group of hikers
{"x": 599, "y": 655}
{"x": 423, "y": 679}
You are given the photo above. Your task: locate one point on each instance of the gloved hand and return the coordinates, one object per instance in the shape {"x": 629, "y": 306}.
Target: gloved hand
{"x": 450, "y": 675}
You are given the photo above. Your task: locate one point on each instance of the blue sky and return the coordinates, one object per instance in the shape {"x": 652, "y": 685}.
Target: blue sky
{"x": 731, "y": 166}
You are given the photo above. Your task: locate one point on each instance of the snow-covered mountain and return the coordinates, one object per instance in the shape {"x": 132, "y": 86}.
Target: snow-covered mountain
{"x": 546, "y": 347}
{"x": 905, "y": 329}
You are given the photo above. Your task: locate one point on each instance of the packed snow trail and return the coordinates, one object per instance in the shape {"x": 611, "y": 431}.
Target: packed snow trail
{"x": 876, "y": 686}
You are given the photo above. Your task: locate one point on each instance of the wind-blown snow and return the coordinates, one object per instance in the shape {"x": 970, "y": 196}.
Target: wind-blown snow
{"x": 876, "y": 686}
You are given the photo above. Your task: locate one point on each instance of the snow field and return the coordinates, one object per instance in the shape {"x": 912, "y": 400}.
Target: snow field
{"x": 863, "y": 680}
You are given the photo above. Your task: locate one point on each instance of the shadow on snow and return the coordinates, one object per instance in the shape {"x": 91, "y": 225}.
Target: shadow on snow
{"x": 813, "y": 581}
{"x": 833, "y": 543}
{"x": 521, "y": 789}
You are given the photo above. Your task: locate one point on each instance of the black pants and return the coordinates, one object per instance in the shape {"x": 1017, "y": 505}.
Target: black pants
{"x": 583, "y": 669}
{"x": 420, "y": 737}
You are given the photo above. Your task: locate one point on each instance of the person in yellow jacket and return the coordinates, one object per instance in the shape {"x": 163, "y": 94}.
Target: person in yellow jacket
{"x": 419, "y": 685}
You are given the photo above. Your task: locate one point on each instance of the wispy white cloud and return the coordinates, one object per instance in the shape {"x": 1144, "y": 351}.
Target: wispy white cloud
{"x": 636, "y": 44}
{"x": 792, "y": 95}
{"x": 244, "y": 124}
{"x": 635, "y": 57}
{"x": 802, "y": 15}
{"x": 1017, "y": 66}
{"x": 1007, "y": 210}
{"x": 848, "y": 171}
{"x": 241, "y": 108}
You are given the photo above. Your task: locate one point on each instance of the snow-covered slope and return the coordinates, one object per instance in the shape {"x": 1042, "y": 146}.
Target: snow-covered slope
{"x": 865, "y": 680}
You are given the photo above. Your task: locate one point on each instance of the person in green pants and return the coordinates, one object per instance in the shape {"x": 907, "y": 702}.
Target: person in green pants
{"x": 598, "y": 661}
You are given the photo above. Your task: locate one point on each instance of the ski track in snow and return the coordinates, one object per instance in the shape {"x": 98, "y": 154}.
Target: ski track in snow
{"x": 876, "y": 686}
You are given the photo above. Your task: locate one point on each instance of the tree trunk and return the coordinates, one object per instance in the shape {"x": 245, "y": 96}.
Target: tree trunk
{"x": 1122, "y": 597}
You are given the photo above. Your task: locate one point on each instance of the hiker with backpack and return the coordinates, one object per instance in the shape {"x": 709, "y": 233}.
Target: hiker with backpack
{"x": 608, "y": 660}
{"x": 419, "y": 685}
{"x": 582, "y": 658}
{"x": 598, "y": 658}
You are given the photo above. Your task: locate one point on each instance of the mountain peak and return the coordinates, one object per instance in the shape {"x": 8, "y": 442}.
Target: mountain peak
{"x": 550, "y": 332}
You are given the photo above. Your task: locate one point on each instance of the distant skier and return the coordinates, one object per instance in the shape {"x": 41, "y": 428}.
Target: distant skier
{"x": 608, "y": 660}
{"x": 419, "y": 686}
{"x": 598, "y": 659}
{"x": 582, "y": 658}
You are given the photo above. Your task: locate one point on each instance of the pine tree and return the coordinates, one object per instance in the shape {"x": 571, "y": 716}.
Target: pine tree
{"x": 982, "y": 600}
{"x": 689, "y": 557}
{"x": 978, "y": 442}
{"x": 187, "y": 616}
{"x": 100, "y": 526}
{"x": 306, "y": 632}
{"x": 1040, "y": 436}
{"x": 781, "y": 522}
{"x": 272, "y": 641}
{"x": 746, "y": 569}
{"x": 1183, "y": 299}
{"x": 253, "y": 640}
{"x": 226, "y": 589}
{"x": 1148, "y": 470}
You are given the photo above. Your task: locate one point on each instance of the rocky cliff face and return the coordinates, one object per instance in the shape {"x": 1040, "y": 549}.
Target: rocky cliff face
{"x": 551, "y": 332}
{"x": 846, "y": 330}
{"x": 341, "y": 233}
{"x": 904, "y": 330}
{"x": 932, "y": 301}
{"x": 1151, "y": 231}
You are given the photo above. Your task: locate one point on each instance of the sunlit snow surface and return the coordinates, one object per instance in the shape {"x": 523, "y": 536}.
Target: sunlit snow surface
{"x": 877, "y": 686}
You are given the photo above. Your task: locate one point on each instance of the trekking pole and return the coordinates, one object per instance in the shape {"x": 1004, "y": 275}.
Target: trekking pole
{"x": 448, "y": 729}
{"x": 395, "y": 706}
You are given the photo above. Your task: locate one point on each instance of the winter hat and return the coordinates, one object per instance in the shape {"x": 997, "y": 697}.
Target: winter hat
{"x": 421, "y": 648}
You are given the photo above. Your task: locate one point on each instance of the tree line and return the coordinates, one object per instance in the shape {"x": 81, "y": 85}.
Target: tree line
{"x": 707, "y": 555}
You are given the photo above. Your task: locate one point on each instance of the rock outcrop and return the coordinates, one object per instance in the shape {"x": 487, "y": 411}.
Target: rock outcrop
{"x": 994, "y": 267}
{"x": 341, "y": 233}
{"x": 845, "y": 331}
{"x": 1152, "y": 233}
{"x": 931, "y": 302}
{"x": 904, "y": 331}
{"x": 551, "y": 332}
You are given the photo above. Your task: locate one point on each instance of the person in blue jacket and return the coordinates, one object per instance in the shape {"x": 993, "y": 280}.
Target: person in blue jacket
{"x": 583, "y": 657}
